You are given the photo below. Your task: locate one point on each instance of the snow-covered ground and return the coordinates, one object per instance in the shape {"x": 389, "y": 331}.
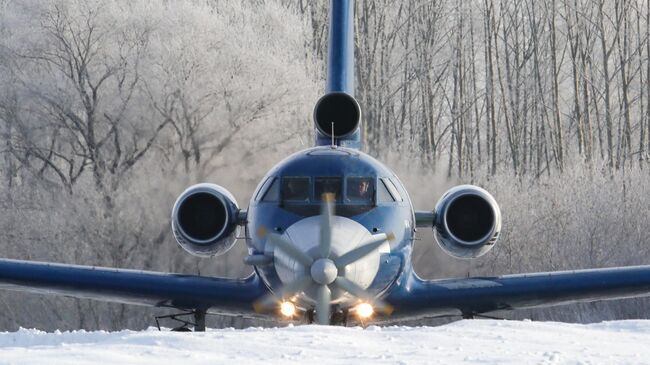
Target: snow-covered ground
{"x": 469, "y": 341}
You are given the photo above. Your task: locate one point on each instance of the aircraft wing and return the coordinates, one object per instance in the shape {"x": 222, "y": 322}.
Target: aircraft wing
{"x": 132, "y": 287}
{"x": 470, "y": 296}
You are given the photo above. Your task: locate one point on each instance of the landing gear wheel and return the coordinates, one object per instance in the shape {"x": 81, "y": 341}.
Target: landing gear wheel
{"x": 340, "y": 318}
{"x": 309, "y": 316}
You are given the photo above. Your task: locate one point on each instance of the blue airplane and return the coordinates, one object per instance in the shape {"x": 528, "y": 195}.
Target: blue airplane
{"x": 330, "y": 232}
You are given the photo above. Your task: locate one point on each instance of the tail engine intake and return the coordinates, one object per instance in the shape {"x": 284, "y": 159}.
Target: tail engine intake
{"x": 337, "y": 115}
{"x": 467, "y": 221}
{"x": 204, "y": 220}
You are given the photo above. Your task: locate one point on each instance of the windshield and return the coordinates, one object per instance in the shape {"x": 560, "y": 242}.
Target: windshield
{"x": 295, "y": 189}
{"x": 324, "y": 185}
{"x": 303, "y": 194}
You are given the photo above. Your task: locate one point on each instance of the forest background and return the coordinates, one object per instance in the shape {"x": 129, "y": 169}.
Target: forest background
{"x": 109, "y": 109}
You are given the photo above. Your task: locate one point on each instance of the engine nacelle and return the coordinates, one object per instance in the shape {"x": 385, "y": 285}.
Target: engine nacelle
{"x": 337, "y": 115}
{"x": 467, "y": 221}
{"x": 204, "y": 220}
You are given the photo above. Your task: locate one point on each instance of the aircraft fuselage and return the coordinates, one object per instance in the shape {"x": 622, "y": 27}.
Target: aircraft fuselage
{"x": 290, "y": 195}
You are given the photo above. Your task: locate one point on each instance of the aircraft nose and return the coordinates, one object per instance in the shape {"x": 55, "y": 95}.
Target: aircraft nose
{"x": 344, "y": 236}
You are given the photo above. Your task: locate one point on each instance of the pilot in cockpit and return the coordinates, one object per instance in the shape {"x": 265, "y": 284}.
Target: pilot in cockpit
{"x": 360, "y": 190}
{"x": 364, "y": 189}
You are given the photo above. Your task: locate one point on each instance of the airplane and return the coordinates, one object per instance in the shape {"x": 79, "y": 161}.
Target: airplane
{"x": 330, "y": 233}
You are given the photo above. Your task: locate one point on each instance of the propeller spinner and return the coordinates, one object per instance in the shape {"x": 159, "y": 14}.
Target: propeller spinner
{"x": 322, "y": 270}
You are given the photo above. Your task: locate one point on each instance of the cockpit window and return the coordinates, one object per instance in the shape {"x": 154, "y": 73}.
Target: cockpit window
{"x": 295, "y": 189}
{"x": 392, "y": 189}
{"x": 383, "y": 195}
{"x": 360, "y": 190}
{"x": 325, "y": 185}
{"x": 265, "y": 186}
{"x": 273, "y": 192}
{"x": 302, "y": 195}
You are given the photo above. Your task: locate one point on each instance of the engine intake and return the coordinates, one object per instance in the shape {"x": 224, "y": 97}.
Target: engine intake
{"x": 339, "y": 108}
{"x": 204, "y": 220}
{"x": 467, "y": 221}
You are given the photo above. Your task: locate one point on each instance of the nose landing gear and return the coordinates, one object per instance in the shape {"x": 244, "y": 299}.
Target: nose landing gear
{"x": 338, "y": 318}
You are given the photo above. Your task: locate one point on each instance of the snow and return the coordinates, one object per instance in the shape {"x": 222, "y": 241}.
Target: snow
{"x": 468, "y": 341}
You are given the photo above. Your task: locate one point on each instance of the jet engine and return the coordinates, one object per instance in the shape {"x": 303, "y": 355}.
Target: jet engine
{"x": 337, "y": 115}
{"x": 467, "y": 221}
{"x": 204, "y": 220}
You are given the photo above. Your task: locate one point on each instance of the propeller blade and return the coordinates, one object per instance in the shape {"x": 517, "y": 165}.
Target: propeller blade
{"x": 326, "y": 213}
{"x": 287, "y": 247}
{"x": 258, "y": 260}
{"x": 354, "y": 289}
{"x": 351, "y": 287}
{"x": 269, "y": 301}
{"x": 371, "y": 244}
{"x": 323, "y": 297}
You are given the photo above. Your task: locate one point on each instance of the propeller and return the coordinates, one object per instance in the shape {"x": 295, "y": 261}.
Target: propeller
{"x": 324, "y": 273}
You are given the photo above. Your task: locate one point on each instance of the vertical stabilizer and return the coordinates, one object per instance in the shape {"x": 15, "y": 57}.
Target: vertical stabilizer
{"x": 337, "y": 114}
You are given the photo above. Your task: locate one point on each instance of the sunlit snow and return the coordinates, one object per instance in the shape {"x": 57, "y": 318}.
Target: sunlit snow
{"x": 469, "y": 341}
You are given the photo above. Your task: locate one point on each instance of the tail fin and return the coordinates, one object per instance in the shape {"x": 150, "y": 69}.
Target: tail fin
{"x": 337, "y": 114}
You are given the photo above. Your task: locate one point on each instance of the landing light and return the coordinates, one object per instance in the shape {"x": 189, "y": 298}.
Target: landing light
{"x": 287, "y": 309}
{"x": 364, "y": 310}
